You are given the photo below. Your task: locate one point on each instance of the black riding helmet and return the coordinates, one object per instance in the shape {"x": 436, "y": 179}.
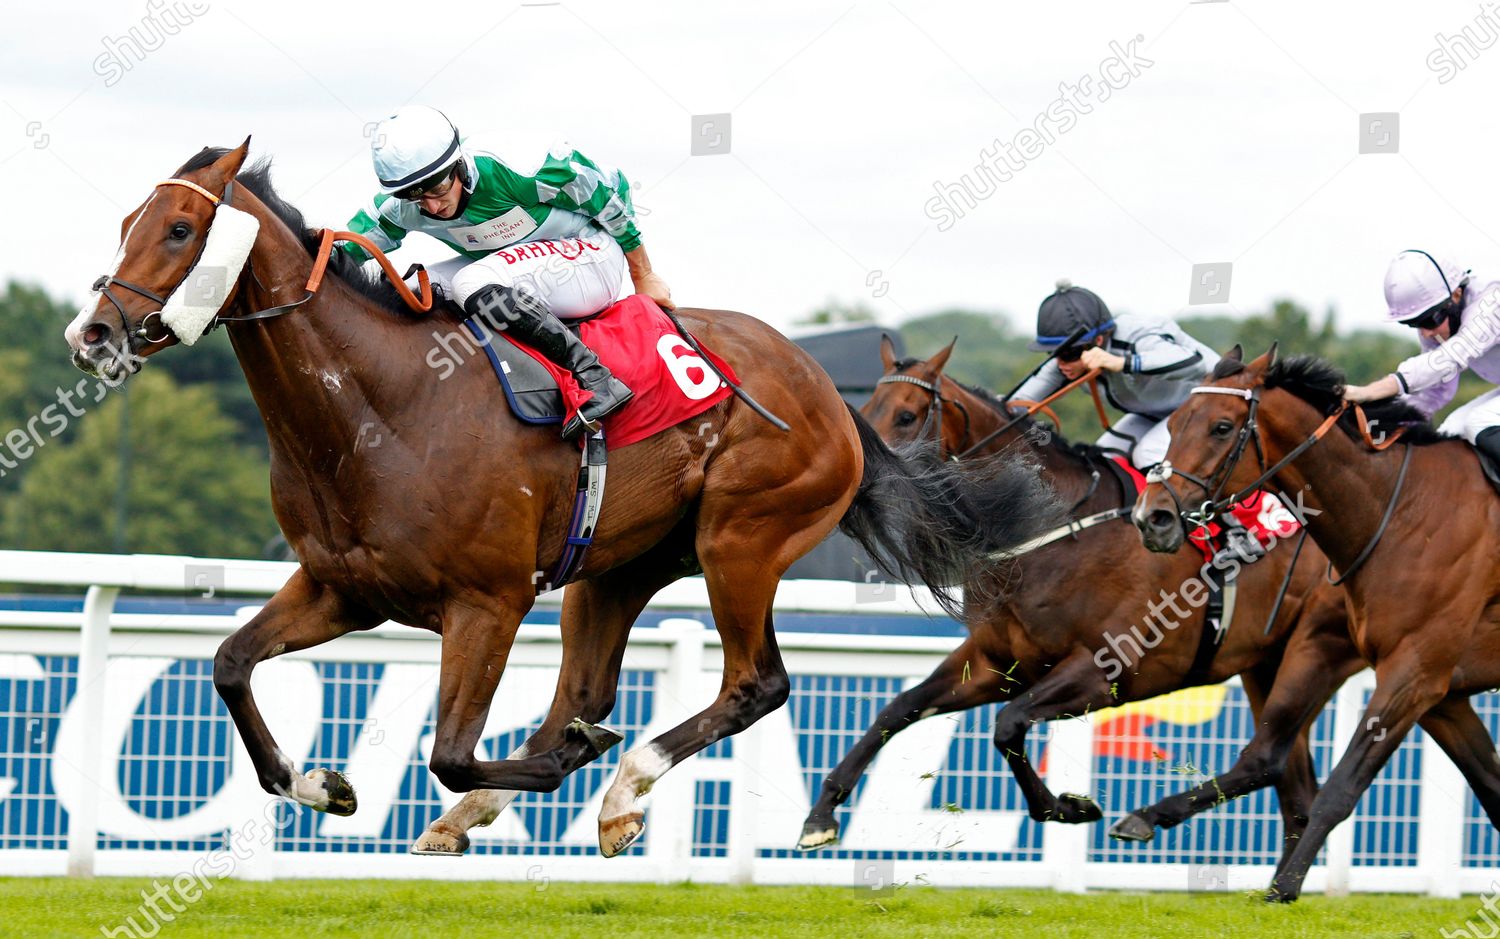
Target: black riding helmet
{"x": 1065, "y": 311}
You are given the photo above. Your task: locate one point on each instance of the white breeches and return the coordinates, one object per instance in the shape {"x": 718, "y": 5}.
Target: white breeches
{"x": 573, "y": 276}
{"x": 1143, "y": 439}
{"x": 1472, "y": 418}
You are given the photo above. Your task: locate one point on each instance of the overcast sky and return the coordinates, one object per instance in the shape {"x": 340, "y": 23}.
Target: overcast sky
{"x": 1236, "y": 140}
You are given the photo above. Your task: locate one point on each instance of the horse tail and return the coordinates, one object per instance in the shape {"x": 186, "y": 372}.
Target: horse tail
{"x": 925, "y": 520}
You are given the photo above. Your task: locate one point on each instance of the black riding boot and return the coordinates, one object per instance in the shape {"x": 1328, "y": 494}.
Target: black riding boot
{"x": 523, "y": 314}
{"x": 1488, "y": 443}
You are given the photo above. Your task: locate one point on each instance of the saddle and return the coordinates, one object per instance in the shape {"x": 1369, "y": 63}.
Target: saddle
{"x": 639, "y": 343}
{"x": 532, "y": 393}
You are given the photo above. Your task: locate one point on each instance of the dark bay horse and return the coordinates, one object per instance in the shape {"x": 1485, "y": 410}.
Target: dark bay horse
{"x": 446, "y": 522}
{"x": 1422, "y": 559}
{"x": 1040, "y": 648}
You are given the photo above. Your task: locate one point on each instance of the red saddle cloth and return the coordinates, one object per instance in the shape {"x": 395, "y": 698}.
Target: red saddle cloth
{"x": 1261, "y": 513}
{"x": 642, "y": 347}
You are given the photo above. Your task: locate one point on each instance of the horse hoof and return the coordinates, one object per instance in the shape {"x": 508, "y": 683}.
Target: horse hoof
{"x": 618, "y": 833}
{"x": 1276, "y": 894}
{"x": 1133, "y": 828}
{"x": 816, "y": 835}
{"x": 1075, "y": 809}
{"x": 432, "y": 843}
{"x": 338, "y": 795}
{"x": 599, "y": 737}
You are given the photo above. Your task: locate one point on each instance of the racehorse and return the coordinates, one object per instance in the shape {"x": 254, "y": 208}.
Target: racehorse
{"x": 1043, "y": 647}
{"x": 446, "y": 523}
{"x": 1420, "y": 563}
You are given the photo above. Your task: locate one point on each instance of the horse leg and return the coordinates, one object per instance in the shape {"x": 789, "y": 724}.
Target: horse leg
{"x": 1073, "y": 688}
{"x": 966, "y": 679}
{"x": 302, "y": 614}
{"x": 755, "y": 683}
{"x": 1406, "y": 688}
{"x": 1286, "y": 697}
{"x": 1463, "y": 736}
{"x": 596, "y": 620}
{"x": 477, "y": 636}
{"x": 1296, "y": 789}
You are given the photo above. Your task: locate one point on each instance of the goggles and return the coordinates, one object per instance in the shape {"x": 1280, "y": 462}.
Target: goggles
{"x": 434, "y": 187}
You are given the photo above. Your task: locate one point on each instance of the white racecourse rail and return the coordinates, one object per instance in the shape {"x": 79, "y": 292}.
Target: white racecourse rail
{"x": 116, "y": 756}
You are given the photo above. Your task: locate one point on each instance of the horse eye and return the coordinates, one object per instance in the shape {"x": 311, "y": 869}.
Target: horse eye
{"x": 905, "y": 418}
{"x": 179, "y": 231}
{"x": 1221, "y": 428}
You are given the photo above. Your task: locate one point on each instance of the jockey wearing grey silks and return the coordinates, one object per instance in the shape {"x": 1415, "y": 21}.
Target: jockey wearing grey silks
{"x": 1457, "y": 318}
{"x": 1149, "y": 367}
{"x": 536, "y": 244}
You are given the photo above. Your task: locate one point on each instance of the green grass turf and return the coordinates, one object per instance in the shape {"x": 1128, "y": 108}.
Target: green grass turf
{"x": 35, "y": 907}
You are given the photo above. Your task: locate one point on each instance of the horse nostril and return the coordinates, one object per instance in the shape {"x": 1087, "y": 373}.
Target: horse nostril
{"x": 96, "y": 333}
{"x": 1161, "y": 519}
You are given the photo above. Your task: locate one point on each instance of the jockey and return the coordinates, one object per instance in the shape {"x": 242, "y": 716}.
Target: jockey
{"x": 537, "y": 247}
{"x": 1149, "y": 367}
{"x": 1458, "y": 326}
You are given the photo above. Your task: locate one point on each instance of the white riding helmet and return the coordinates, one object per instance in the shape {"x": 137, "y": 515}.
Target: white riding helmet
{"x": 414, "y": 144}
{"x": 1416, "y": 281}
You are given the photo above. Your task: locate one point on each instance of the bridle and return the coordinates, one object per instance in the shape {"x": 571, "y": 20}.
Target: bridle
{"x": 937, "y": 399}
{"x": 1216, "y": 503}
{"x": 142, "y": 333}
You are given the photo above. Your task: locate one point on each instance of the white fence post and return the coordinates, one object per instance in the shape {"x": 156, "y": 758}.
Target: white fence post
{"x": 1440, "y": 821}
{"x": 744, "y": 805}
{"x": 670, "y": 818}
{"x": 1070, "y": 768}
{"x": 1348, "y": 706}
{"x": 88, "y": 702}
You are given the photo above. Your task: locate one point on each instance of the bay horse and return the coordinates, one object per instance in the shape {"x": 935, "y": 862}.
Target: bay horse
{"x": 1039, "y": 647}
{"x": 446, "y": 523}
{"x": 1420, "y": 562}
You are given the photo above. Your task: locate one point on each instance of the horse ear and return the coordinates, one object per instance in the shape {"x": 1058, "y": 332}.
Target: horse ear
{"x": 887, "y": 353}
{"x": 1236, "y": 354}
{"x": 1264, "y": 363}
{"x": 937, "y": 362}
{"x": 227, "y": 167}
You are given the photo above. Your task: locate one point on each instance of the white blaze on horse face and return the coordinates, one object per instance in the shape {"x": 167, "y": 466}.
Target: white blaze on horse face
{"x": 1138, "y": 514}
{"x": 74, "y": 332}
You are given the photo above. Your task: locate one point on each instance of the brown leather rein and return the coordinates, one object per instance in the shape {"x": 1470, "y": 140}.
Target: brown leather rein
{"x": 1036, "y": 407}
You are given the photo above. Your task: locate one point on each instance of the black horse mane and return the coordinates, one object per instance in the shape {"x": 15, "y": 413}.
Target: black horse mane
{"x": 1321, "y": 384}
{"x": 1086, "y": 453}
{"x": 257, "y": 179}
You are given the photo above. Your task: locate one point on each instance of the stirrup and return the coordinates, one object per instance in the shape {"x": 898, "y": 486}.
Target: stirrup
{"x": 580, "y": 426}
